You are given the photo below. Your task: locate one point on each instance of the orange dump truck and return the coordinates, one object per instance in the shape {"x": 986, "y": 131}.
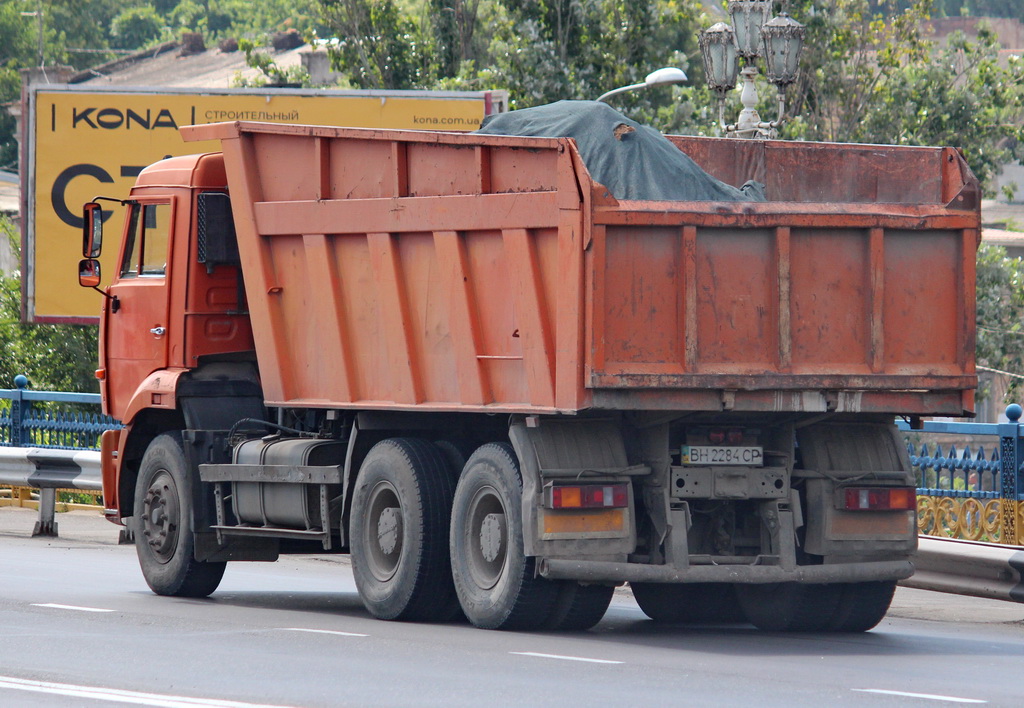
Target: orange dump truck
{"x": 504, "y": 392}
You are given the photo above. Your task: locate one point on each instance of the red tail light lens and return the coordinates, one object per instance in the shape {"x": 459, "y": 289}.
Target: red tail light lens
{"x": 716, "y": 436}
{"x": 589, "y": 496}
{"x": 734, "y": 436}
{"x": 879, "y": 498}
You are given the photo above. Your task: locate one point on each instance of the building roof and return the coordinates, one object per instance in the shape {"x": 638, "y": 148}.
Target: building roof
{"x": 168, "y": 65}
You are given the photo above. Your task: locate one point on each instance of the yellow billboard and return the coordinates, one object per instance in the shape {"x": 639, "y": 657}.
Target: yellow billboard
{"x": 83, "y": 143}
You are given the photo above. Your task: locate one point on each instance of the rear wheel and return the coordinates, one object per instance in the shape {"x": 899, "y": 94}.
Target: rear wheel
{"x": 789, "y": 607}
{"x": 861, "y": 606}
{"x": 164, "y": 537}
{"x": 399, "y": 531}
{"x": 455, "y": 454}
{"x": 579, "y": 607}
{"x": 689, "y": 603}
{"x": 495, "y": 581}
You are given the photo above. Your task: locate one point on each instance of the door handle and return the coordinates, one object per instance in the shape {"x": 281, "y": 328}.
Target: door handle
{"x": 159, "y": 331}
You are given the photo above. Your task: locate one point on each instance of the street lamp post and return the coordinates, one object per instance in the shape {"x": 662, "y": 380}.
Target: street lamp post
{"x": 659, "y": 77}
{"x": 752, "y": 35}
{"x": 38, "y": 14}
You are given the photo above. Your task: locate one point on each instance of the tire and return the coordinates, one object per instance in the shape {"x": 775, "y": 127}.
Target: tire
{"x": 495, "y": 581}
{"x": 579, "y": 607}
{"x": 691, "y": 603}
{"x": 401, "y": 509}
{"x": 164, "y": 536}
{"x": 861, "y": 606}
{"x": 789, "y": 607}
{"x": 455, "y": 455}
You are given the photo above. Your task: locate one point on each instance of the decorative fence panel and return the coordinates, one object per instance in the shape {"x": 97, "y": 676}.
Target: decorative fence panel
{"x": 51, "y": 419}
{"x": 969, "y": 494}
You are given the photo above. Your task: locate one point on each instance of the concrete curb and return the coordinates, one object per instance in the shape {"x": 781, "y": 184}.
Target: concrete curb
{"x": 968, "y": 568}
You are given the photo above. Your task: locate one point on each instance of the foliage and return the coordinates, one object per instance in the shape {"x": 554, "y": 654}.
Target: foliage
{"x": 982, "y": 8}
{"x": 54, "y": 357}
{"x": 136, "y": 27}
{"x": 73, "y": 31}
{"x": 271, "y": 73}
{"x": 872, "y": 79}
{"x": 379, "y": 45}
{"x": 1000, "y": 293}
{"x": 540, "y": 50}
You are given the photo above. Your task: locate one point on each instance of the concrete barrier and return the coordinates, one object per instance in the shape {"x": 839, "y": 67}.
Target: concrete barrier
{"x": 49, "y": 470}
{"x": 968, "y": 568}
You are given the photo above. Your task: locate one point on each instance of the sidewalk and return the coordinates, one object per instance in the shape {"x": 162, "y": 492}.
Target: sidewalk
{"x": 72, "y": 526}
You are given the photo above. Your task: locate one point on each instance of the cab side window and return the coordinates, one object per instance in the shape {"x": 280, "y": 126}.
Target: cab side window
{"x": 148, "y": 231}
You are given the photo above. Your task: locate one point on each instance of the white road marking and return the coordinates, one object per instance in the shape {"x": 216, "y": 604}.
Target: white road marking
{"x": 565, "y": 658}
{"x": 323, "y": 631}
{"x": 116, "y": 695}
{"x": 925, "y": 696}
{"x": 55, "y": 606}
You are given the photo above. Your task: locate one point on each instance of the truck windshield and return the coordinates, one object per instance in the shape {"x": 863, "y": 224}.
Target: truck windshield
{"x": 146, "y": 253}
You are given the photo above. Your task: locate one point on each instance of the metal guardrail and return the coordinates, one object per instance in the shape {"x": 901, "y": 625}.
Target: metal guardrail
{"x": 49, "y": 470}
{"x": 966, "y": 568}
{"x": 50, "y": 448}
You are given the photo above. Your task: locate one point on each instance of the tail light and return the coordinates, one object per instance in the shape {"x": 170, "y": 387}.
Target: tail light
{"x": 879, "y": 498}
{"x": 589, "y": 496}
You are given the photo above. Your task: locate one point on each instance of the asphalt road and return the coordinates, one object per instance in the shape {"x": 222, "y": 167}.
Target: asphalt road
{"x": 80, "y": 628}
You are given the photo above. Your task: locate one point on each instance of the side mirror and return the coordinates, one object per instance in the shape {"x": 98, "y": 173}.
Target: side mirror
{"x": 89, "y": 273}
{"x": 92, "y": 231}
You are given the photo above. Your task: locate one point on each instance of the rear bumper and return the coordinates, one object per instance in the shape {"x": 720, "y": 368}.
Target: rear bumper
{"x": 603, "y": 571}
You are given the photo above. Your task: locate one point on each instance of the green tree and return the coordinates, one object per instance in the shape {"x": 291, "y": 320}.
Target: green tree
{"x": 540, "y": 50}
{"x": 17, "y": 37}
{"x": 554, "y": 49}
{"x": 54, "y": 357}
{"x": 270, "y": 73}
{"x": 379, "y": 44}
{"x": 876, "y": 78}
{"x": 1000, "y": 294}
{"x": 136, "y": 27}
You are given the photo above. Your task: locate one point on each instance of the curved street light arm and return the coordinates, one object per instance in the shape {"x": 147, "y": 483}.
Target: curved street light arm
{"x": 621, "y": 89}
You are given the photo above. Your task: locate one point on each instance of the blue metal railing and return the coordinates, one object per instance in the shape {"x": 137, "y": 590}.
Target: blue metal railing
{"x": 31, "y": 418}
{"x": 965, "y": 494}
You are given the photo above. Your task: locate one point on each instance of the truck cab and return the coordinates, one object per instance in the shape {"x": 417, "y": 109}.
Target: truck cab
{"x": 176, "y": 300}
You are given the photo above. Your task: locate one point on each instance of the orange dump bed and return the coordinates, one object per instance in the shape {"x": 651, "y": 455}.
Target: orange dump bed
{"x": 435, "y": 271}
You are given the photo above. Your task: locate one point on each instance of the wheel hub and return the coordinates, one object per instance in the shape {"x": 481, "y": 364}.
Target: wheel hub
{"x": 486, "y": 537}
{"x": 383, "y": 529}
{"x": 492, "y": 534}
{"x": 389, "y": 529}
{"x": 161, "y": 517}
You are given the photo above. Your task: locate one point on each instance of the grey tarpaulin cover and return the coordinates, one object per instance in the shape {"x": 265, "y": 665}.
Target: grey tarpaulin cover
{"x": 633, "y": 161}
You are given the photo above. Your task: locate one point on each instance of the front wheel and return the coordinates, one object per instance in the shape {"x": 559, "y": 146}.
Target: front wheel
{"x": 495, "y": 581}
{"x": 164, "y": 535}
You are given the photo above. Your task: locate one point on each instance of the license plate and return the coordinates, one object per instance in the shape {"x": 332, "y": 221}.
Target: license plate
{"x": 722, "y": 455}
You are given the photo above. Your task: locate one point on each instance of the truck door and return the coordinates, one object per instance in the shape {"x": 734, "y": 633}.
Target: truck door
{"x": 136, "y": 332}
